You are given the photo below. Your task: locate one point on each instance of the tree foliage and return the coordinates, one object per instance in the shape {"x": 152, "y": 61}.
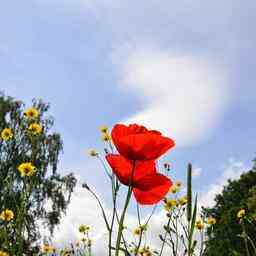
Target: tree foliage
{"x": 225, "y": 239}
{"x": 27, "y": 196}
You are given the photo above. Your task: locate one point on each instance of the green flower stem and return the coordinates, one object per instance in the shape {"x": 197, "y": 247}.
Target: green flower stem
{"x": 101, "y": 207}
{"x": 120, "y": 227}
{"x": 189, "y": 192}
{"x": 165, "y": 237}
{"x": 105, "y": 168}
{"x": 178, "y": 215}
{"x": 114, "y": 196}
{"x": 123, "y": 239}
{"x": 121, "y": 222}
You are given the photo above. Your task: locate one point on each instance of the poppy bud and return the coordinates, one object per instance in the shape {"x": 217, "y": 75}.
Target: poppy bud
{"x": 167, "y": 166}
{"x": 84, "y": 185}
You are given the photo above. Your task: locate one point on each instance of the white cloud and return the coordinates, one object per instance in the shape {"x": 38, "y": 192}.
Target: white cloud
{"x": 83, "y": 209}
{"x": 183, "y": 96}
{"x": 232, "y": 171}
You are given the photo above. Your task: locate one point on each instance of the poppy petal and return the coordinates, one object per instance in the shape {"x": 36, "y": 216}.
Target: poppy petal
{"x": 144, "y": 146}
{"x": 123, "y": 168}
{"x": 121, "y": 130}
{"x": 151, "y": 189}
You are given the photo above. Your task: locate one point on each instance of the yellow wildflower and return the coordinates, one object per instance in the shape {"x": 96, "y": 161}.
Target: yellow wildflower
{"x": 7, "y": 215}
{"x": 83, "y": 240}
{"x": 89, "y": 242}
{"x": 137, "y": 231}
{"x": 66, "y": 252}
{"x": 86, "y": 241}
{"x": 173, "y": 189}
{"x": 2, "y": 253}
{"x": 83, "y": 228}
{"x": 169, "y": 204}
{"x": 35, "y": 128}
{"x": 26, "y": 169}
{"x": 6, "y": 134}
{"x": 183, "y": 200}
{"x": 178, "y": 184}
{"x": 145, "y": 252}
{"x": 93, "y": 152}
{"x": 241, "y": 214}
{"x": 104, "y": 129}
{"x": 106, "y": 137}
{"x": 48, "y": 248}
{"x": 211, "y": 221}
{"x": 31, "y": 113}
{"x": 199, "y": 224}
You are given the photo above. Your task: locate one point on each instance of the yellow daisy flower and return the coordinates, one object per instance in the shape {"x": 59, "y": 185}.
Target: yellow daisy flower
{"x": 199, "y": 224}
{"x": 2, "y": 253}
{"x": 35, "y": 128}
{"x": 93, "y": 152}
{"x": 211, "y": 221}
{"x": 48, "y": 248}
{"x": 83, "y": 240}
{"x": 83, "y": 228}
{"x": 173, "y": 189}
{"x": 89, "y": 242}
{"x": 31, "y": 113}
{"x": 169, "y": 204}
{"x": 26, "y": 169}
{"x": 6, "y": 134}
{"x": 183, "y": 200}
{"x": 178, "y": 184}
{"x": 104, "y": 129}
{"x": 145, "y": 252}
{"x": 137, "y": 231}
{"x": 66, "y": 252}
{"x": 7, "y": 215}
{"x": 106, "y": 137}
{"x": 241, "y": 214}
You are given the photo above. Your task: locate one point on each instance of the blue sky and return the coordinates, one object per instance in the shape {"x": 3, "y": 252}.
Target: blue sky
{"x": 185, "y": 67}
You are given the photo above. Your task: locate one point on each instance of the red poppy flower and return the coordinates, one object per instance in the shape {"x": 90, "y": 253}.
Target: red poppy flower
{"x": 149, "y": 187}
{"x": 152, "y": 188}
{"x": 136, "y": 142}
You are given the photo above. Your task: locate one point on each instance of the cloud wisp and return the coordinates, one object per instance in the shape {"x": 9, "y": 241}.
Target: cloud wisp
{"x": 232, "y": 171}
{"x": 184, "y": 96}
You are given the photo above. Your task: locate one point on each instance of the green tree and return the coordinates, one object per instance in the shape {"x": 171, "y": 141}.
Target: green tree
{"x": 225, "y": 238}
{"x": 27, "y": 196}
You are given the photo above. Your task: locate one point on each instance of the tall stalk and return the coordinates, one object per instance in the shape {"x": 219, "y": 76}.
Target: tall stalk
{"x": 189, "y": 192}
{"x": 190, "y": 217}
{"x": 121, "y": 222}
{"x": 114, "y": 197}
